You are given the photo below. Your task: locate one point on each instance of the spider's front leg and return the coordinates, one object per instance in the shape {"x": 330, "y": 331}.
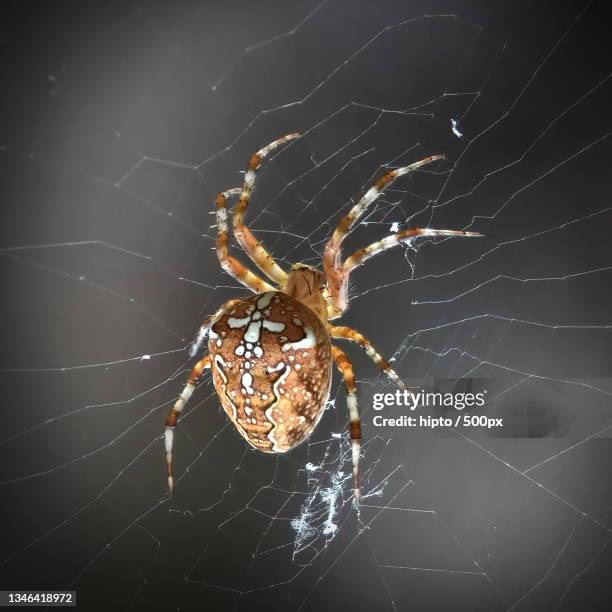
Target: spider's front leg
{"x": 360, "y": 256}
{"x": 345, "y": 367}
{"x": 253, "y": 248}
{"x": 195, "y": 375}
{"x": 230, "y": 264}
{"x": 337, "y": 277}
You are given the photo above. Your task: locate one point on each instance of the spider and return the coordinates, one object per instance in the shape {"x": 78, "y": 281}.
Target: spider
{"x": 271, "y": 354}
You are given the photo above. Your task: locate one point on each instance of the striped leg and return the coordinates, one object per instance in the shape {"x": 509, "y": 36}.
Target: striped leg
{"x": 345, "y": 367}
{"x": 254, "y": 249}
{"x": 360, "y": 256}
{"x": 231, "y": 265}
{"x": 198, "y": 341}
{"x": 337, "y": 278}
{"x": 197, "y": 371}
{"x": 348, "y": 333}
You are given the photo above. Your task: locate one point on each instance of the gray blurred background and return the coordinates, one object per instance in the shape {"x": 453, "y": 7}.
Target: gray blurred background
{"x": 119, "y": 121}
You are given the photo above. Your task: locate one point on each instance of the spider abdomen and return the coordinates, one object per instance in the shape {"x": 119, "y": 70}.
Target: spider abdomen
{"x": 271, "y": 367}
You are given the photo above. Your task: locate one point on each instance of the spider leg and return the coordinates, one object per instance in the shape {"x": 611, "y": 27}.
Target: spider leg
{"x": 253, "y": 248}
{"x": 231, "y": 265}
{"x": 337, "y": 278}
{"x": 345, "y": 367}
{"x": 360, "y": 256}
{"x": 198, "y": 341}
{"x": 195, "y": 375}
{"x": 347, "y": 333}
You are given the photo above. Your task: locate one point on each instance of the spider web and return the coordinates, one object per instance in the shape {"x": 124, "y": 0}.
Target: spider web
{"x": 115, "y": 141}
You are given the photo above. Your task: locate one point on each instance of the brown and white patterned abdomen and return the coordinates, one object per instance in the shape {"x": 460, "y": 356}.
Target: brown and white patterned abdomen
{"x": 271, "y": 367}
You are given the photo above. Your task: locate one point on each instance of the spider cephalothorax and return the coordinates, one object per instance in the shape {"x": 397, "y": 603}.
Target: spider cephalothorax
{"x": 271, "y": 354}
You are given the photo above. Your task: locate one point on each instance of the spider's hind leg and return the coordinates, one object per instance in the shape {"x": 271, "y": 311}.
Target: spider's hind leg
{"x": 345, "y": 367}
{"x": 176, "y": 410}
